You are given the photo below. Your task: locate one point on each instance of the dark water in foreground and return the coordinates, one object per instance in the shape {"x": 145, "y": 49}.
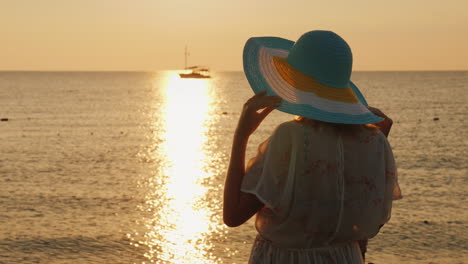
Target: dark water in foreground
{"x": 129, "y": 167}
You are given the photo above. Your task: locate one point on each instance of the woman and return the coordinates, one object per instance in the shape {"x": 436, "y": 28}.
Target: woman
{"x": 322, "y": 182}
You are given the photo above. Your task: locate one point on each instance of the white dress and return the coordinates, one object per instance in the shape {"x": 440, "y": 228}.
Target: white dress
{"x": 323, "y": 190}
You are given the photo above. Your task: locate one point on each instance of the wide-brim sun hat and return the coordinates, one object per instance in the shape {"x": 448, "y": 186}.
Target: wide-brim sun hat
{"x": 311, "y": 75}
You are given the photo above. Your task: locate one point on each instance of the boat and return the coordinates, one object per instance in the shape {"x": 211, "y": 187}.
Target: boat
{"x": 197, "y": 72}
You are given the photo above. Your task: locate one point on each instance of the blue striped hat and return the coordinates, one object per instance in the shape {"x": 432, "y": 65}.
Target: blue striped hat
{"x": 312, "y": 76}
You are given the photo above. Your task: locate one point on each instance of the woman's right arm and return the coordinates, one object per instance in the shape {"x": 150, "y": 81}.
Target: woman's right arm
{"x": 238, "y": 207}
{"x": 384, "y": 126}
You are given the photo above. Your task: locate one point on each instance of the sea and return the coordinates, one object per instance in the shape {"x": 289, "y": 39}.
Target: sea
{"x": 129, "y": 167}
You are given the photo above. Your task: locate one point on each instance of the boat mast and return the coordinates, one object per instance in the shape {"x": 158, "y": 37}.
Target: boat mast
{"x": 186, "y": 55}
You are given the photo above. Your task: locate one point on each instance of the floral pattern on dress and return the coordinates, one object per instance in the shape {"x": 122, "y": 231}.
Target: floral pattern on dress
{"x": 306, "y": 187}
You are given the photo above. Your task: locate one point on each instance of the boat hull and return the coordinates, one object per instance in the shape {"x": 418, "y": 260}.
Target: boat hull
{"x": 193, "y": 75}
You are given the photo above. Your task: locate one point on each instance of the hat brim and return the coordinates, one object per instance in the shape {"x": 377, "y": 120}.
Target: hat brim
{"x": 263, "y": 75}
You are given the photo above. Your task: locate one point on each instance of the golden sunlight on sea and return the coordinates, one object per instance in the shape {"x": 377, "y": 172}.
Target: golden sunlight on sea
{"x": 182, "y": 221}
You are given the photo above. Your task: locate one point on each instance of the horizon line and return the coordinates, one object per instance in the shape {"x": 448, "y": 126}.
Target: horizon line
{"x": 153, "y": 71}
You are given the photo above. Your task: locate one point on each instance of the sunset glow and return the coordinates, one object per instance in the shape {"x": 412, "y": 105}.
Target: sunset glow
{"x": 151, "y": 35}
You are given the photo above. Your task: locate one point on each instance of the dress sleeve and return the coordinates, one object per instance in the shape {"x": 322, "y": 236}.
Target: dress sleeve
{"x": 267, "y": 174}
{"x": 391, "y": 174}
{"x": 392, "y": 189}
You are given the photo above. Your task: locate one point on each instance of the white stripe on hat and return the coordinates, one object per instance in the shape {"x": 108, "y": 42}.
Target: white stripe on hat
{"x": 293, "y": 95}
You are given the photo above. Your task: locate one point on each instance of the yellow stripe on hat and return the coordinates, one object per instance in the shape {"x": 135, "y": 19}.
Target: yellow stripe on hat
{"x": 306, "y": 83}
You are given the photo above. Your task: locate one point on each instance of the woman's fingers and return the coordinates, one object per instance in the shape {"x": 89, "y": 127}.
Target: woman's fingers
{"x": 267, "y": 110}
{"x": 255, "y": 110}
{"x": 269, "y": 101}
{"x": 262, "y": 93}
{"x": 377, "y": 111}
{"x": 260, "y": 101}
{"x": 386, "y": 124}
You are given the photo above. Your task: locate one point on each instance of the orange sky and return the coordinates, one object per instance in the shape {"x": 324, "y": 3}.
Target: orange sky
{"x": 151, "y": 35}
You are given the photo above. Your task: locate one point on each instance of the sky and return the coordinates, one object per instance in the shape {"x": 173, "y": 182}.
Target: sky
{"x": 151, "y": 35}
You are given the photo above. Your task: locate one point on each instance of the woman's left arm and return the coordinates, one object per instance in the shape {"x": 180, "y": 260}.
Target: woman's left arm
{"x": 238, "y": 207}
{"x": 384, "y": 125}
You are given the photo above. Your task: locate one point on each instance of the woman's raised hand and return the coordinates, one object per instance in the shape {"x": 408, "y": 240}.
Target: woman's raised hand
{"x": 251, "y": 117}
{"x": 386, "y": 124}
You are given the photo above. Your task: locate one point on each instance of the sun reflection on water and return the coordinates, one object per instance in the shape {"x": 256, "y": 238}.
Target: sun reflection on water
{"x": 180, "y": 219}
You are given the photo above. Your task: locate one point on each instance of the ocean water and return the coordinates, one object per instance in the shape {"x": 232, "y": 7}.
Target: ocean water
{"x": 129, "y": 167}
